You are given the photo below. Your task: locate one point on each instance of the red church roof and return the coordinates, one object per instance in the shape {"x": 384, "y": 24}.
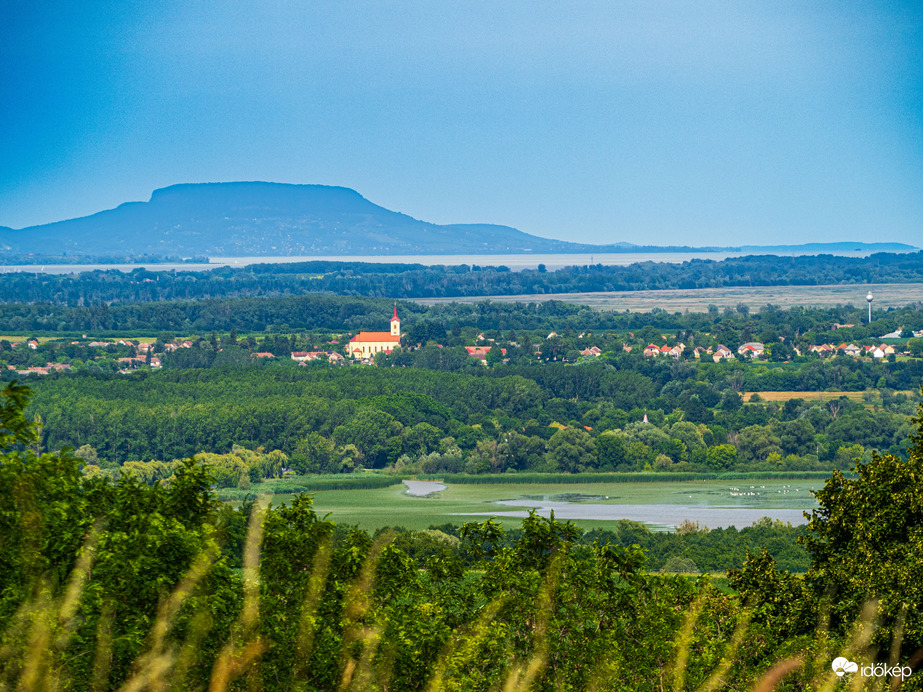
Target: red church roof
{"x": 395, "y": 317}
{"x": 375, "y": 336}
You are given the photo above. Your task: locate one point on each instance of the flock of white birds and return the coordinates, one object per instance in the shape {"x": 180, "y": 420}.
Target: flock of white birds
{"x": 737, "y": 492}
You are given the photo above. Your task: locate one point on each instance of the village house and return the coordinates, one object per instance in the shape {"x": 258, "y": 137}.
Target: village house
{"x": 262, "y": 354}
{"x": 308, "y": 356}
{"x": 651, "y": 350}
{"x": 722, "y": 353}
{"x": 677, "y": 351}
{"x": 365, "y": 345}
{"x": 751, "y": 349}
{"x": 874, "y": 352}
{"x": 132, "y": 361}
{"x": 480, "y": 352}
{"x": 591, "y": 351}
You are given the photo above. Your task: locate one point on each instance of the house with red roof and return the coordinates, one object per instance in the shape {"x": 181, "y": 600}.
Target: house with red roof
{"x": 751, "y": 349}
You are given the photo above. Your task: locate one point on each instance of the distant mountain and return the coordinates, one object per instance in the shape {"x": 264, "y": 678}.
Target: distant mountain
{"x": 253, "y": 219}
{"x": 260, "y": 219}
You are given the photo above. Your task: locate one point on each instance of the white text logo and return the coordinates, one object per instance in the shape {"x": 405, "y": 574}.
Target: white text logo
{"x": 842, "y": 665}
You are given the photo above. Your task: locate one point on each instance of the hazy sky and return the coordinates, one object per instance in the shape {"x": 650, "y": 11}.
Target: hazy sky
{"x": 653, "y": 122}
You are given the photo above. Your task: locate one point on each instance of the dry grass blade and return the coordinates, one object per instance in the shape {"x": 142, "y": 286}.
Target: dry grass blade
{"x": 15, "y": 636}
{"x": 35, "y": 663}
{"x": 856, "y": 648}
{"x": 355, "y": 609}
{"x": 153, "y": 666}
{"x": 897, "y": 639}
{"x": 102, "y": 660}
{"x": 684, "y": 640}
{"x": 188, "y": 652}
{"x": 46, "y": 624}
{"x": 521, "y": 677}
{"x": 727, "y": 660}
{"x": 466, "y": 643}
{"x": 236, "y": 657}
{"x": 777, "y": 673}
{"x": 307, "y": 625}
{"x": 76, "y": 584}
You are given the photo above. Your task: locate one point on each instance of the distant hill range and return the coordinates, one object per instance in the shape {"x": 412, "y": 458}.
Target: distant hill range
{"x": 252, "y": 219}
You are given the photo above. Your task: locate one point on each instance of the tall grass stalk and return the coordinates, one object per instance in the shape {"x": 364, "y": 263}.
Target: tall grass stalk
{"x": 684, "y": 641}
{"x": 522, "y": 675}
{"x": 464, "y": 644}
{"x": 716, "y": 679}
{"x": 245, "y": 646}
{"x": 307, "y": 625}
{"x": 357, "y": 673}
{"x": 152, "y": 667}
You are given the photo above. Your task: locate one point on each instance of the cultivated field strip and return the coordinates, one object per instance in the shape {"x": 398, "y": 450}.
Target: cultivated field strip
{"x": 699, "y": 299}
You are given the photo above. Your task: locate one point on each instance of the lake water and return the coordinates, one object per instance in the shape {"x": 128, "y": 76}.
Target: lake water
{"x": 655, "y": 516}
{"x": 514, "y": 262}
{"x": 661, "y": 505}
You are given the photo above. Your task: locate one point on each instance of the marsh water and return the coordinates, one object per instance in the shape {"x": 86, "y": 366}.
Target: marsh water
{"x": 661, "y": 505}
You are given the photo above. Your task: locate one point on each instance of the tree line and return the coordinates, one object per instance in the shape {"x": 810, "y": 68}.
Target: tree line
{"x": 404, "y": 281}
{"x": 552, "y": 418}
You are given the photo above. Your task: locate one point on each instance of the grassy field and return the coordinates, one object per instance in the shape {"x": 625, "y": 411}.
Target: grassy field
{"x": 698, "y": 299}
{"x": 392, "y": 506}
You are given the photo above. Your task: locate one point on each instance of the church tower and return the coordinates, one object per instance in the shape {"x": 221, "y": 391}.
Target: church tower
{"x": 395, "y": 323}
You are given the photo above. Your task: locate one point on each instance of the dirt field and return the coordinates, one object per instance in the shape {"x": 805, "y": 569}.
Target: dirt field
{"x": 812, "y": 396}
{"x": 698, "y": 299}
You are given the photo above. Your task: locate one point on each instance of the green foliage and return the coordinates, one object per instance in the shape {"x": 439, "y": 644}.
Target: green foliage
{"x": 14, "y": 427}
{"x": 866, "y": 542}
{"x": 571, "y": 450}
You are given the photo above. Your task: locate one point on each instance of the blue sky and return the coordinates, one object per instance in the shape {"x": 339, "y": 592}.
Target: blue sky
{"x": 695, "y": 123}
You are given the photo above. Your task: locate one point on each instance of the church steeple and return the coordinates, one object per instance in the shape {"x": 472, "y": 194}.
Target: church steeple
{"x": 395, "y": 323}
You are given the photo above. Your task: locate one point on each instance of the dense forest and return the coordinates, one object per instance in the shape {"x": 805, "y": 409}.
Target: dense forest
{"x": 439, "y": 323}
{"x": 550, "y": 418}
{"x": 403, "y": 281}
{"x": 134, "y": 586}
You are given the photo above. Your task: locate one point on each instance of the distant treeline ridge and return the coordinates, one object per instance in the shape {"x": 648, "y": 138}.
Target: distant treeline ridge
{"x": 419, "y": 281}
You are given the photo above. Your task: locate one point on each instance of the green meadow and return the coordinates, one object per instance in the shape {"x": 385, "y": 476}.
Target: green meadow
{"x": 373, "y": 508}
